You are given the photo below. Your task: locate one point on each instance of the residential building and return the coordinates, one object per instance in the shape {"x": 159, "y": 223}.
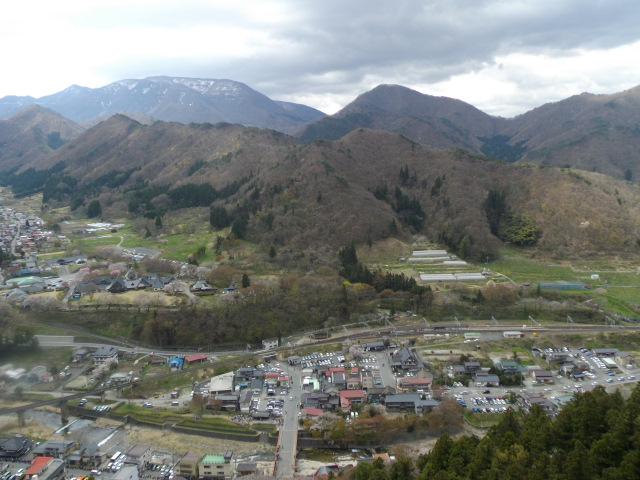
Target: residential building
{"x": 139, "y": 455}
{"x": 509, "y": 367}
{"x": 55, "y": 449}
{"x": 215, "y": 467}
{"x": 528, "y": 401}
{"x": 87, "y": 455}
{"x": 201, "y": 286}
{"x": 230, "y": 402}
{"x": 187, "y": 466}
{"x": 269, "y": 343}
{"x": 375, "y": 346}
{"x": 338, "y": 380}
{"x": 414, "y": 383}
{"x": 80, "y": 354}
{"x": 408, "y": 402}
{"x": 102, "y": 354}
{"x": 542, "y": 376}
{"x": 366, "y": 380}
{"x": 349, "y": 397}
{"x": 353, "y": 381}
{"x": 12, "y": 447}
{"x": 405, "y": 359}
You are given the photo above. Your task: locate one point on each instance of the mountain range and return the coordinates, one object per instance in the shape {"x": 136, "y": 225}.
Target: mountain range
{"x": 598, "y": 133}
{"x": 393, "y": 163}
{"x": 170, "y": 99}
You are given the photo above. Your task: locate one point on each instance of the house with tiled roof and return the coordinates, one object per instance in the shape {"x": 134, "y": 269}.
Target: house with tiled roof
{"x": 103, "y": 353}
{"x": 349, "y": 397}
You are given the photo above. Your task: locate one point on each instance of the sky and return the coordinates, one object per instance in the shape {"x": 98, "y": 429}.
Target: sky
{"x": 503, "y": 56}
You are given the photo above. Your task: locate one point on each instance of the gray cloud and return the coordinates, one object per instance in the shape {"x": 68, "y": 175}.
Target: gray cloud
{"x": 331, "y": 51}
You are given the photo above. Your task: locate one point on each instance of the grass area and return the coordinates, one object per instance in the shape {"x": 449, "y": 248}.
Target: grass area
{"x": 483, "y": 419}
{"x": 33, "y": 397}
{"x": 264, "y": 427}
{"x": 159, "y": 416}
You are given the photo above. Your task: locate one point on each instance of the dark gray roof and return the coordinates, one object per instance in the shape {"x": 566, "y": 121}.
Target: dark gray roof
{"x": 105, "y": 352}
{"x": 403, "y": 397}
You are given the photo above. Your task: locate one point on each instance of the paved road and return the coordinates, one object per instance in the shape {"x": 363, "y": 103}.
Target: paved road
{"x": 285, "y": 463}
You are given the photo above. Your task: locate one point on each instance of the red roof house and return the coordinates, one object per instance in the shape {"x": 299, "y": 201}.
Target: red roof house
{"x": 312, "y": 412}
{"x": 196, "y": 358}
{"x": 37, "y": 466}
{"x": 347, "y": 397}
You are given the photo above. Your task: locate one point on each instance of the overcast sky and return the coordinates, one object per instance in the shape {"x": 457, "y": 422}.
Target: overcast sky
{"x": 503, "y": 56}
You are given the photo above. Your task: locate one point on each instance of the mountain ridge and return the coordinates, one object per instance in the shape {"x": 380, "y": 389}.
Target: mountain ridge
{"x": 171, "y": 99}
{"x": 591, "y": 132}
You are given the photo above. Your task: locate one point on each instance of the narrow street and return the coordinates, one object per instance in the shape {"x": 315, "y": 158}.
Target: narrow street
{"x": 286, "y": 454}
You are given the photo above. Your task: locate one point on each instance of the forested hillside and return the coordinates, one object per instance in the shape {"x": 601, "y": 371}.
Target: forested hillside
{"x": 303, "y": 199}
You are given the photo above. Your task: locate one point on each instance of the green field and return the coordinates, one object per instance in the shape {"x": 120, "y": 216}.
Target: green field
{"x": 159, "y": 416}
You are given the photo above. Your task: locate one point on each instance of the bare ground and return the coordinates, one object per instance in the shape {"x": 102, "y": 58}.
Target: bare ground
{"x": 32, "y": 428}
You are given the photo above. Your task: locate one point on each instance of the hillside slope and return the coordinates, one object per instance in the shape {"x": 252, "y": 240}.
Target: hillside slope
{"x": 590, "y": 132}
{"x": 32, "y": 134}
{"x": 368, "y": 185}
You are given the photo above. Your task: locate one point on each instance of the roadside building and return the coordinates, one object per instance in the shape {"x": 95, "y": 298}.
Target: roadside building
{"x": 542, "y": 376}
{"x": 624, "y": 359}
{"x": 195, "y": 358}
{"x": 513, "y": 334}
{"x": 604, "y": 352}
{"x": 509, "y": 367}
{"x": 487, "y": 379}
{"x": 139, "y": 456}
{"x": 176, "y": 363}
{"x": 269, "y": 343}
{"x": 294, "y": 360}
{"x": 44, "y": 468}
{"x": 127, "y": 473}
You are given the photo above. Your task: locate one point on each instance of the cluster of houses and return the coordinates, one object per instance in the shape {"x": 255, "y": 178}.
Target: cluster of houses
{"x": 9, "y": 373}
{"x": 327, "y": 386}
{"x": 23, "y": 231}
{"x": 120, "y": 284}
{"x": 574, "y": 365}
{"x": 50, "y": 458}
